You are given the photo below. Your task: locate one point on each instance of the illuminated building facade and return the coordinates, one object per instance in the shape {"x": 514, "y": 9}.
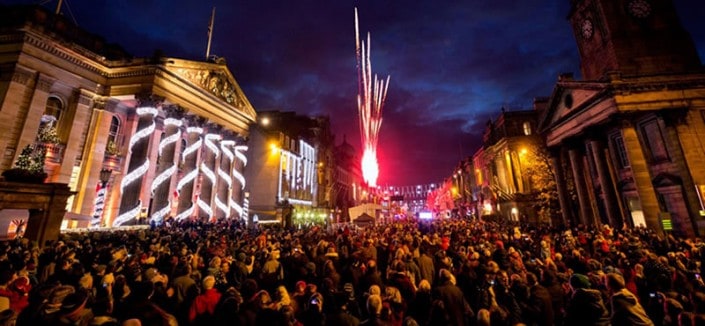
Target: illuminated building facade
{"x": 412, "y": 199}
{"x": 166, "y": 134}
{"x": 509, "y": 168}
{"x": 627, "y": 140}
{"x": 284, "y": 150}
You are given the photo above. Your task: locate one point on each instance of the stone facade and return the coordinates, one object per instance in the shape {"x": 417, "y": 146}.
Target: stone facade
{"x": 135, "y": 117}
{"x": 629, "y": 135}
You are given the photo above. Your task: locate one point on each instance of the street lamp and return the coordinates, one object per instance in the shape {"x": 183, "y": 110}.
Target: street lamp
{"x": 99, "y": 205}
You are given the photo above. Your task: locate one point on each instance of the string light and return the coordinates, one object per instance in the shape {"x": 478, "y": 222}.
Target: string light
{"x": 129, "y": 215}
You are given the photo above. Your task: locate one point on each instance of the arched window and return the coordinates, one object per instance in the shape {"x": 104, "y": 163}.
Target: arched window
{"x": 114, "y": 130}
{"x": 527, "y": 128}
{"x": 112, "y": 148}
{"x": 53, "y": 110}
{"x": 50, "y": 121}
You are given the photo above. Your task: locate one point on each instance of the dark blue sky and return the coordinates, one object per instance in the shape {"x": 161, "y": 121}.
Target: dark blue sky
{"x": 453, "y": 63}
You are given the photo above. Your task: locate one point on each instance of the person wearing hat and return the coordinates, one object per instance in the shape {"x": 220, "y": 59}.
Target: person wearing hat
{"x": 203, "y": 308}
{"x": 73, "y": 309}
{"x": 585, "y": 306}
{"x": 626, "y": 309}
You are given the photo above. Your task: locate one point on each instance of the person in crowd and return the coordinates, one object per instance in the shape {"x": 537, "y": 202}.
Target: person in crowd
{"x": 517, "y": 273}
{"x": 585, "y": 306}
{"x": 626, "y": 309}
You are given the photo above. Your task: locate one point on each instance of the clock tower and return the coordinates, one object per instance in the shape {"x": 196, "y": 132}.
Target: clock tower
{"x": 631, "y": 37}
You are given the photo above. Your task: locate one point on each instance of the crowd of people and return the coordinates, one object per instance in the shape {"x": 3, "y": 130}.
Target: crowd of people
{"x": 449, "y": 272}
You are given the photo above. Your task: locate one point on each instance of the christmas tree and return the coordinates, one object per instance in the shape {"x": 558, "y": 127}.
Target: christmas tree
{"x": 24, "y": 161}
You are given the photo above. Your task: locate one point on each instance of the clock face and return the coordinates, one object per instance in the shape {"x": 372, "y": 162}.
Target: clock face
{"x": 639, "y": 8}
{"x": 587, "y": 29}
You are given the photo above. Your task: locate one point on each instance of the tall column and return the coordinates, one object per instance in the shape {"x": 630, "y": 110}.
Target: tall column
{"x": 92, "y": 159}
{"x": 166, "y": 166}
{"x": 211, "y": 153}
{"x": 611, "y": 206}
{"x": 225, "y": 183}
{"x": 13, "y": 108}
{"x": 642, "y": 177}
{"x": 680, "y": 133}
{"x": 580, "y": 187}
{"x": 131, "y": 185}
{"x": 189, "y": 160}
{"x": 81, "y": 118}
{"x": 33, "y": 114}
{"x": 561, "y": 189}
{"x": 239, "y": 181}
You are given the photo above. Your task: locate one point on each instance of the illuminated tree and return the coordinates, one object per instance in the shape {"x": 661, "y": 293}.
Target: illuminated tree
{"x": 541, "y": 177}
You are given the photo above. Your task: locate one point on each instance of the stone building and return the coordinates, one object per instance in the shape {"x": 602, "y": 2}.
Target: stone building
{"x": 627, "y": 139}
{"x": 290, "y": 153}
{"x": 510, "y": 169}
{"x": 166, "y": 135}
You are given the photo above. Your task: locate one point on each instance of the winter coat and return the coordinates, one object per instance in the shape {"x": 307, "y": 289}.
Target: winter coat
{"x": 586, "y": 307}
{"x": 626, "y": 310}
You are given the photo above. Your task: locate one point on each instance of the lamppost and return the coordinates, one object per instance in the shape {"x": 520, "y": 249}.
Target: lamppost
{"x": 100, "y": 197}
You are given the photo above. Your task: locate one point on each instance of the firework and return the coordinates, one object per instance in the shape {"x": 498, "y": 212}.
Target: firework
{"x": 371, "y": 95}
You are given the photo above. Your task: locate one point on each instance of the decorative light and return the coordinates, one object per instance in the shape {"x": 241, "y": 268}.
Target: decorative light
{"x": 208, "y": 173}
{"x": 168, "y": 141}
{"x": 205, "y": 207}
{"x": 236, "y": 207}
{"x": 158, "y": 216}
{"x": 162, "y": 177}
{"x": 134, "y": 175}
{"x": 185, "y": 214}
{"x": 129, "y": 215}
{"x": 210, "y": 143}
{"x": 224, "y": 208}
{"x": 193, "y": 147}
{"x": 186, "y": 179}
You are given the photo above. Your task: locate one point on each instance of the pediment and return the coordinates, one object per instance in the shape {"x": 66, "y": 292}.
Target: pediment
{"x": 216, "y": 80}
{"x": 567, "y": 100}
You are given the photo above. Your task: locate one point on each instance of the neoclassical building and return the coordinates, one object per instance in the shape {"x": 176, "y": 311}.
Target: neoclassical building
{"x": 628, "y": 139}
{"x": 510, "y": 169}
{"x": 133, "y": 137}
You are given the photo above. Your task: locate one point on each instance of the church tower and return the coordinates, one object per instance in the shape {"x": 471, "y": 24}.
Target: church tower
{"x": 631, "y": 37}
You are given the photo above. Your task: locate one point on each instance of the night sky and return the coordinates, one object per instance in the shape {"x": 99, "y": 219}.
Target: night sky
{"x": 453, "y": 64}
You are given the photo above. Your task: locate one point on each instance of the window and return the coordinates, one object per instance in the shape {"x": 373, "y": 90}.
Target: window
{"x": 114, "y": 130}
{"x": 53, "y": 110}
{"x": 654, "y": 142}
{"x": 527, "y": 128}
{"x": 620, "y": 151}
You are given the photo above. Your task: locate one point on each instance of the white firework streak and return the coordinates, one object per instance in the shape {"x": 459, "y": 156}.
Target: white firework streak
{"x": 128, "y": 216}
{"x": 372, "y": 94}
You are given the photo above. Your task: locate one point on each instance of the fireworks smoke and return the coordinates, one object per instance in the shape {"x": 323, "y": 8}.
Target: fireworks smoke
{"x": 371, "y": 95}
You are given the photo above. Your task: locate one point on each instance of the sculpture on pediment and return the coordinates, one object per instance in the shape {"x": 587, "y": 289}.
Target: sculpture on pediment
{"x": 215, "y": 82}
